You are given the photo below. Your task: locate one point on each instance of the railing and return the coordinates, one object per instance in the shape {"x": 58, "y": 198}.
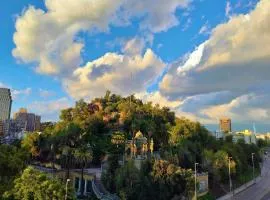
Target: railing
{"x": 101, "y": 195}
{"x": 98, "y": 194}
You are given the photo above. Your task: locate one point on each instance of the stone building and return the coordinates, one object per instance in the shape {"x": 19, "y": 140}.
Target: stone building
{"x": 5, "y": 103}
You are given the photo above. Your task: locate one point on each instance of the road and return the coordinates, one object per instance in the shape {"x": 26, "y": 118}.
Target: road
{"x": 260, "y": 190}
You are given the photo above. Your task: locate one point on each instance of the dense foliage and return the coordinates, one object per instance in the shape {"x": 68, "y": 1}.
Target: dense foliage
{"x": 93, "y": 124}
{"x": 158, "y": 179}
{"x": 13, "y": 160}
{"x": 35, "y": 185}
{"x": 90, "y": 133}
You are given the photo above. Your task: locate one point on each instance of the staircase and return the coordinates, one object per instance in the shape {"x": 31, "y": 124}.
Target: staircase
{"x": 101, "y": 192}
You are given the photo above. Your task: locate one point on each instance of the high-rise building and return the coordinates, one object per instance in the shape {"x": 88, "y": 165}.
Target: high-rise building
{"x": 225, "y": 125}
{"x": 5, "y": 103}
{"x": 31, "y": 121}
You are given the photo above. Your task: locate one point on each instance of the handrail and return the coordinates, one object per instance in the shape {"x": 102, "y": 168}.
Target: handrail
{"x": 101, "y": 195}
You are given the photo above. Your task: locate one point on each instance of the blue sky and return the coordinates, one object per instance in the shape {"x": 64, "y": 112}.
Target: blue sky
{"x": 199, "y": 57}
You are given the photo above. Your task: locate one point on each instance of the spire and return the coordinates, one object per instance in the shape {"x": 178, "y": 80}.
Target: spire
{"x": 254, "y": 129}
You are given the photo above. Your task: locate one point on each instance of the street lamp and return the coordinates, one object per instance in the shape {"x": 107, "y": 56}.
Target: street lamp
{"x": 230, "y": 179}
{"x": 196, "y": 180}
{"x": 68, "y": 180}
{"x": 252, "y": 157}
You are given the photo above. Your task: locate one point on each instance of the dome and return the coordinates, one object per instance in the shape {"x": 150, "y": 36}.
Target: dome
{"x": 139, "y": 135}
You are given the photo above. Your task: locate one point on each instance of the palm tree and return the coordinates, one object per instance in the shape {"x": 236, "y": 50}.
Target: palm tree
{"x": 83, "y": 155}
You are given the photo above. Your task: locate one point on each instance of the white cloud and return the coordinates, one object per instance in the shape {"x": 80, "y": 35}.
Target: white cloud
{"x": 45, "y": 93}
{"x": 221, "y": 73}
{"x": 228, "y": 9}
{"x": 233, "y": 59}
{"x": 49, "y": 110}
{"x": 157, "y": 15}
{"x": 250, "y": 107}
{"x": 122, "y": 74}
{"x": 50, "y": 38}
{"x": 157, "y": 98}
{"x": 205, "y": 29}
{"x": 134, "y": 46}
{"x": 187, "y": 24}
{"x": 18, "y": 93}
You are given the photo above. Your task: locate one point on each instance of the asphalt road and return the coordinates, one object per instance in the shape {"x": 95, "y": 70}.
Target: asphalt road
{"x": 261, "y": 189}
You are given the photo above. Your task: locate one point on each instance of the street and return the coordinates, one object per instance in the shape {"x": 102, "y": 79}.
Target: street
{"x": 260, "y": 190}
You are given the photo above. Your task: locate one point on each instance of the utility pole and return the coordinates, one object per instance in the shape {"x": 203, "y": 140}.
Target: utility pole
{"x": 196, "y": 180}
{"x": 230, "y": 179}
{"x": 68, "y": 180}
{"x": 252, "y": 157}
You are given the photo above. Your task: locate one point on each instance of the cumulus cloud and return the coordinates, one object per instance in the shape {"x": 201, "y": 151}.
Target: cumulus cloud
{"x": 122, "y": 74}
{"x": 157, "y": 98}
{"x": 157, "y": 15}
{"x": 50, "y": 38}
{"x": 49, "y": 110}
{"x": 252, "y": 107}
{"x": 233, "y": 62}
{"x": 135, "y": 46}
{"x": 232, "y": 59}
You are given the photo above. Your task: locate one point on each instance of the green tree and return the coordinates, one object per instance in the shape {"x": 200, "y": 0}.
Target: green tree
{"x": 83, "y": 156}
{"x": 13, "y": 160}
{"x": 35, "y": 185}
{"x": 127, "y": 181}
{"x": 31, "y": 143}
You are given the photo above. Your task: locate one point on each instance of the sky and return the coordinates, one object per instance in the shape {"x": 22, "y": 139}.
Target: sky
{"x": 205, "y": 59}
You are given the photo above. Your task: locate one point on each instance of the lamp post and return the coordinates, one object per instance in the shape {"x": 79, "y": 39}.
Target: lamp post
{"x": 252, "y": 157}
{"x": 196, "y": 180}
{"x": 230, "y": 179}
{"x": 68, "y": 180}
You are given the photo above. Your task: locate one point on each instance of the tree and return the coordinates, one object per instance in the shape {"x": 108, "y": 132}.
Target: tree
{"x": 31, "y": 143}
{"x": 35, "y": 185}
{"x": 172, "y": 180}
{"x": 221, "y": 165}
{"x": 83, "y": 156}
{"x": 127, "y": 181}
{"x": 13, "y": 160}
{"x": 108, "y": 176}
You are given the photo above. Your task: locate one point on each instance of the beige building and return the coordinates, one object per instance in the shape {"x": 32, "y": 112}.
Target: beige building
{"x": 30, "y": 120}
{"x": 225, "y": 125}
{"x": 248, "y": 136}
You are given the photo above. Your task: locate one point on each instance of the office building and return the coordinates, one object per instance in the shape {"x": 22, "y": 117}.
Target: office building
{"x": 2, "y": 133}
{"x": 5, "y": 103}
{"x": 225, "y": 125}
{"x": 31, "y": 121}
